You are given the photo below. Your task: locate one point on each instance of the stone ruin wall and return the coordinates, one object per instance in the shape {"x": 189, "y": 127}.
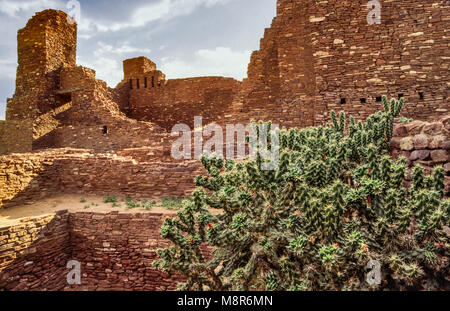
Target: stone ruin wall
{"x": 16, "y": 136}
{"x": 424, "y": 143}
{"x": 141, "y": 172}
{"x": 323, "y": 55}
{"x": 25, "y": 178}
{"x": 311, "y": 60}
{"x": 407, "y": 54}
{"x": 178, "y": 101}
{"x": 45, "y": 45}
{"x": 115, "y": 250}
{"x": 34, "y": 254}
{"x": 164, "y": 102}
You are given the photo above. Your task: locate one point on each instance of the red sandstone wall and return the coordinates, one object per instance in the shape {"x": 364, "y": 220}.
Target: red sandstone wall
{"x": 92, "y": 118}
{"x": 117, "y": 251}
{"x": 27, "y": 177}
{"x": 316, "y": 53}
{"x": 406, "y": 54}
{"x": 15, "y": 136}
{"x": 426, "y": 144}
{"x": 34, "y": 254}
{"x": 171, "y": 102}
{"x": 46, "y": 44}
{"x": 152, "y": 172}
{"x": 110, "y": 174}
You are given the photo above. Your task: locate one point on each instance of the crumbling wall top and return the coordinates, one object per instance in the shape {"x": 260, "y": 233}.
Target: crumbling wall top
{"x": 137, "y": 66}
{"x": 48, "y": 17}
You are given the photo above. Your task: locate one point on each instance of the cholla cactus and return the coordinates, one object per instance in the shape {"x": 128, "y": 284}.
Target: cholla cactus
{"x": 335, "y": 202}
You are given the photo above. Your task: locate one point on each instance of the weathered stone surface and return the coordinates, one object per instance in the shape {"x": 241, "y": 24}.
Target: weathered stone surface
{"x": 400, "y": 130}
{"x": 415, "y": 127}
{"x": 419, "y": 155}
{"x": 407, "y": 144}
{"x": 109, "y": 261}
{"x": 446, "y": 230}
{"x": 395, "y": 143}
{"x": 36, "y": 254}
{"x": 433, "y": 128}
{"x": 447, "y": 167}
{"x": 439, "y": 155}
{"x": 420, "y": 141}
{"x": 37, "y": 175}
{"x": 445, "y": 144}
{"x": 437, "y": 142}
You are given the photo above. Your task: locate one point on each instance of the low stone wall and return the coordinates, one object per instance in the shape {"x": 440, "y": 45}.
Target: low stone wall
{"x": 26, "y": 177}
{"x": 115, "y": 250}
{"x": 15, "y": 136}
{"x": 31, "y": 176}
{"x": 34, "y": 254}
{"x": 424, "y": 143}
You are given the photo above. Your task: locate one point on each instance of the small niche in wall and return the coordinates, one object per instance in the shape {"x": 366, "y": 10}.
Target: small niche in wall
{"x": 131, "y": 83}
{"x": 145, "y": 82}
{"x": 343, "y": 101}
{"x": 421, "y": 95}
{"x": 137, "y": 83}
{"x": 153, "y": 81}
{"x": 363, "y": 100}
{"x": 105, "y": 130}
{"x": 400, "y": 95}
{"x": 379, "y": 99}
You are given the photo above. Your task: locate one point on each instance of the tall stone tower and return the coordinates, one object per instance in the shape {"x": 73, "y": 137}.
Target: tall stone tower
{"x": 45, "y": 46}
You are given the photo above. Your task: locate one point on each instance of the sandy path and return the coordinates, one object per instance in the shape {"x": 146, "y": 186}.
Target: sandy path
{"x": 72, "y": 203}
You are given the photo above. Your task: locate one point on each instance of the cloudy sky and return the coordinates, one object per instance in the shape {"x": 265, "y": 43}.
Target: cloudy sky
{"x": 186, "y": 38}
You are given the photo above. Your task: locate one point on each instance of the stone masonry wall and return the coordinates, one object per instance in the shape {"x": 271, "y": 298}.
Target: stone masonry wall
{"x": 315, "y": 57}
{"x": 152, "y": 172}
{"x": 323, "y": 55}
{"x": 406, "y": 55}
{"x": 426, "y": 144}
{"x": 34, "y": 254}
{"x": 116, "y": 252}
{"x": 92, "y": 118}
{"x": 16, "y": 136}
{"x": 178, "y": 101}
{"x": 27, "y": 177}
{"x": 32, "y": 176}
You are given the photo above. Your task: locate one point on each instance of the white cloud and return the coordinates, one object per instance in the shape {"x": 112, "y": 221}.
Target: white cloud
{"x": 125, "y": 48}
{"x": 221, "y": 61}
{"x": 2, "y": 111}
{"x": 12, "y": 8}
{"x": 8, "y": 69}
{"x": 162, "y": 10}
{"x": 107, "y": 69}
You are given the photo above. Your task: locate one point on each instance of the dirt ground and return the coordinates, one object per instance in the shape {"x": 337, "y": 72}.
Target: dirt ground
{"x": 76, "y": 203}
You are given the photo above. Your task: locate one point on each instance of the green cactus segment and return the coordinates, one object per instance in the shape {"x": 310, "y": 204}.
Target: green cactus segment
{"x": 335, "y": 201}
